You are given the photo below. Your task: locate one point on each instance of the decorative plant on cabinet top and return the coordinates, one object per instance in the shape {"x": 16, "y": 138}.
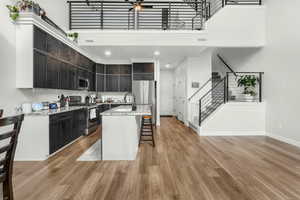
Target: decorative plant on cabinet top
{"x": 24, "y": 6}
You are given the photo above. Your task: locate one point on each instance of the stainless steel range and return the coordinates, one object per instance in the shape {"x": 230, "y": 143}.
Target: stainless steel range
{"x": 92, "y": 119}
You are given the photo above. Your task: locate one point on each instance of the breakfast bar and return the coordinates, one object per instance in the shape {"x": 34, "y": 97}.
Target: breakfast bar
{"x": 121, "y": 130}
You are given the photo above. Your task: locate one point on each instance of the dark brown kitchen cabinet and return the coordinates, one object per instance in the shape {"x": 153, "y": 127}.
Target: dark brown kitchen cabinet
{"x": 112, "y": 69}
{"x": 99, "y": 68}
{"x": 92, "y": 81}
{"x": 39, "y": 70}
{"x": 40, "y": 39}
{"x": 53, "y": 73}
{"x": 58, "y": 66}
{"x": 125, "y": 83}
{"x": 65, "y": 76}
{"x": 143, "y": 71}
{"x": 65, "y": 128}
{"x": 100, "y": 84}
{"x": 112, "y": 83}
{"x": 143, "y": 68}
{"x": 125, "y": 69}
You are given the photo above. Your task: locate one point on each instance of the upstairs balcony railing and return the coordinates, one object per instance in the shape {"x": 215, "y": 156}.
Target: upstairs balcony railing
{"x": 132, "y": 15}
{"x": 143, "y": 15}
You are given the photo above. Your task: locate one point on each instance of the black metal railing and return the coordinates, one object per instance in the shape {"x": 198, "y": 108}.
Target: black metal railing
{"x": 210, "y": 101}
{"x": 121, "y": 15}
{"x": 229, "y": 90}
{"x": 242, "y": 93}
{"x": 216, "y": 5}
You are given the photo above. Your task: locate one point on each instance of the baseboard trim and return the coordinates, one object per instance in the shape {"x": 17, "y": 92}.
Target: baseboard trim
{"x": 232, "y": 133}
{"x": 284, "y": 139}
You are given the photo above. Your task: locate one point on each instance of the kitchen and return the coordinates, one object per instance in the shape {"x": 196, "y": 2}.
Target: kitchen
{"x": 84, "y": 89}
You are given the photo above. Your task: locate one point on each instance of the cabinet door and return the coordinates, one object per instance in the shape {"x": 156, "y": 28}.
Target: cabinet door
{"x": 65, "y": 76}
{"x": 40, "y": 39}
{"x": 54, "y": 46}
{"x": 112, "y": 83}
{"x": 100, "y": 68}
{"x": 40, "y": 69}
{"x": 67, "y": 128}
{"x": 125, "y": 83}
{"x": 54, "y": 136}
{"x": 73, "y": 78}
{"x": 112, "y": 69}
{"x": 143, "y": 67}
{"x": 53, "y": 71}
{"x": 100, "y": 83}
{"x": 125, "y": 69}
{"x": 80, "y": 123}
{"x": 92, "y": 80}
{"x": 143, "y": 71}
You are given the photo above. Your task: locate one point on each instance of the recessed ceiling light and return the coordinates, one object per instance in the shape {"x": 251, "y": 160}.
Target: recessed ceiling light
{"x": 156, "y": 53}
{"x": 168, "y": 65}
{"x": 107, "y": 53}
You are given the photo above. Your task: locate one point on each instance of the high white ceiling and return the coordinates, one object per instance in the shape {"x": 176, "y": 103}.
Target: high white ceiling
{"x": 168, "y": 55}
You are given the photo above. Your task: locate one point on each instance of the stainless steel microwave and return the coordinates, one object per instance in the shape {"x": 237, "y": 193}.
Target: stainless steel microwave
{"x": 83, "y": 83}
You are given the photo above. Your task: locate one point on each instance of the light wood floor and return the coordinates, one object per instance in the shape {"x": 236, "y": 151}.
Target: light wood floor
{"x": 182, "y": 166}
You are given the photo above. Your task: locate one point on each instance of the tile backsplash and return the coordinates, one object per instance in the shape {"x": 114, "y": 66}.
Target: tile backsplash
{"x": 40, "y": 95}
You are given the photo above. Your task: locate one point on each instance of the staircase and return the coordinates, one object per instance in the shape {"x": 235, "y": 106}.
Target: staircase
{"x": 214, "y": 98}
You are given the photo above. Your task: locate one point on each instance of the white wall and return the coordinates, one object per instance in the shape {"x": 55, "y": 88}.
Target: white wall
{"x": 237, "y": 26}
{"x": 236, "y": 119}
{"x": 280, "y": 62}
{"x": 180, "y": 91}
{"x": 192, "y": 69}
{"x": 166, "y": 92}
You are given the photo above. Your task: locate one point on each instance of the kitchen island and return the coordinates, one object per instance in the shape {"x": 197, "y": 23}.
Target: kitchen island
{"x": 121, "y": 131}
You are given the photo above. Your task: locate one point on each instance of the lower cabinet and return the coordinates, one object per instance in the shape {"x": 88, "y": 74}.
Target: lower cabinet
{"x": 65, "y": 128}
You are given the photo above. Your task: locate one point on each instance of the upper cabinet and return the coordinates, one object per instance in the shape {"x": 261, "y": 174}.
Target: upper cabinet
{"x": 114, "y": 78}
{"x": 143, "y": 71}
{"x": 55, "y": 65}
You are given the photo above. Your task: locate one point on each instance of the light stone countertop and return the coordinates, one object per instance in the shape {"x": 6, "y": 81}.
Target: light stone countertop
{"x": 61, "y": 110}
{"x": 126, "y": 111}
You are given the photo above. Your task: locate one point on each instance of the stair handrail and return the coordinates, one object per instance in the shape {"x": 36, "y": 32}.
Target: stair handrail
{"x": 223, "y": 79}
{"x": 196, "y": 92}
{"x": 226, "y": 64}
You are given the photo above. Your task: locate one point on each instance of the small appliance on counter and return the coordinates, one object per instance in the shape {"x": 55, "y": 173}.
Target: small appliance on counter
{"x": 26, "y": 108}
{"x": 37, "y": 107}
{"x": 53, "y": 106}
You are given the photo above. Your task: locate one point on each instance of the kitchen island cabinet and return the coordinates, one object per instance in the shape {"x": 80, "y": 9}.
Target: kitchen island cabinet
{"x": 121, "y": 142}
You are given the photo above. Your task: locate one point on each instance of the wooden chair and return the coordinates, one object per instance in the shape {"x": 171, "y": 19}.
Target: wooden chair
{"x": 1, "y": 113}
{"x": 8, "y": 152}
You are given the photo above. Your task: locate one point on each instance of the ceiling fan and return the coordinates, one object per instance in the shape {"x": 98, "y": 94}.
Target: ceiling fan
{"x": 138, "y": 5}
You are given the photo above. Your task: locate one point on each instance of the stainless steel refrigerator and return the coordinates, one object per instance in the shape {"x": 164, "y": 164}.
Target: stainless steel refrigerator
{"x": 145, "y": 93}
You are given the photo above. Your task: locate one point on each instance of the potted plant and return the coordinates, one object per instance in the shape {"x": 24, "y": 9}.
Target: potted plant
{"x": 249, "y": 83}
{"x": 21, "y": 6}
{"x": 13, "y": 12}
{"x": 73, "y": 36}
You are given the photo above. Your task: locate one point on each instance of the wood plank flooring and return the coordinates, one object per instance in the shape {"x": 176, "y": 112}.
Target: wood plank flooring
{"x": 183, "y": 166}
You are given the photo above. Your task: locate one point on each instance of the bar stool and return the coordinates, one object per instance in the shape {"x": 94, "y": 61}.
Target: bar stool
{"x": 7, "y": 152}
{"x": 146, "y": 133}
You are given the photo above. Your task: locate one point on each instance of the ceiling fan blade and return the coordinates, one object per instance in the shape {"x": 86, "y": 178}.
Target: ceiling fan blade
{"x": 147, "y": 6}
